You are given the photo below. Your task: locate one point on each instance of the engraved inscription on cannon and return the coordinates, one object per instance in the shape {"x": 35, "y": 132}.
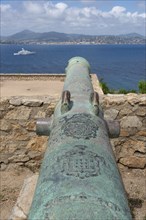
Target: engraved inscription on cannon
{"x": 80, "y": 162}
{"x": 80, "y": 126}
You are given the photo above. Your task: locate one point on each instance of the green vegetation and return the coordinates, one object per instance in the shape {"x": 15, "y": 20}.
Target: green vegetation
{"x": 104, "y": 86}
{"x": 142, "y": 86}
{"x": 124, "y": 91}
{"x": 106, "y": 89}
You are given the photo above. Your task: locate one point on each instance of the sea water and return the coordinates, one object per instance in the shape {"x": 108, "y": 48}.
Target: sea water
{"x": 120, "y": 66}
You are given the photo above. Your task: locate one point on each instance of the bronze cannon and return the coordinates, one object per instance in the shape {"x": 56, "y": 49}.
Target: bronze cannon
{"x": 79, "y": 178}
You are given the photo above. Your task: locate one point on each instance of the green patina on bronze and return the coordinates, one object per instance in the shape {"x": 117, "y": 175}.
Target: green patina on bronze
{"x": 79, "y": 178}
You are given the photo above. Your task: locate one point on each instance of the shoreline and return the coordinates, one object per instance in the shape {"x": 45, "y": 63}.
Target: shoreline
{"x": 68, "y": 43}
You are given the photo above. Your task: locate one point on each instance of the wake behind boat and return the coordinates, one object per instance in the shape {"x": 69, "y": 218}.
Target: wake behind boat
{"x": 24, "y": 52}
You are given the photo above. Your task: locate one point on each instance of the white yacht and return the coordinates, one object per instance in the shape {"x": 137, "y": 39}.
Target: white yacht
{"x": 24, "y": 52}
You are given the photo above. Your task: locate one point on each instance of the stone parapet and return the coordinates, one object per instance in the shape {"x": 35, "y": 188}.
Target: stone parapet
{"x": 22, "y": 147}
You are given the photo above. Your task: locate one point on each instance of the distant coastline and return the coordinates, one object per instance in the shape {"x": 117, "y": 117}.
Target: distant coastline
{"x": 70, "y": 43}
{"x": 56, "y": 38}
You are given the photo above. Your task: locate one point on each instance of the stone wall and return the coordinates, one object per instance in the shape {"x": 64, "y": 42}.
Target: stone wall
{"x": 20, "y": 146}
{"x": 130, "y": 111}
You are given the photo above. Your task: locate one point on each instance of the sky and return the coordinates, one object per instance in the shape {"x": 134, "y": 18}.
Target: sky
{"x": 81, "y": 16}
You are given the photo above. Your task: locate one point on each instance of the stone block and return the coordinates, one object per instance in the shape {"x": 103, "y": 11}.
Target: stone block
{"x": 4, "y": 104}
{"x": 20, "y": 113}
{"x": 37, "y": 144}
{"x": 124, "y": 133}
{"x": 18, "y": 158}
{"x": 3, "y": 166}
{"x": 5, "y": 125}
{"x": 4, "y": 158}
{"x": 140, "y": 111}
{"x": 21, "y": 136}
{"x": 142, "y": 101}
{"x": 132, "y": 99}
{"x": 131, "y": 122}
{"x": 117, "y": 99}
{"x": 16, "y": 101}
{"x": 34, "y": 154}
{"x": 141, "y": 133}
{"x": 125, "y": 111}
{"x": 31, "y": 126}
{"x": 22, "y": 206}
{"x": 129, "y": 147}
{"x": 32, "y": 102}
{"x": 134, "y": 162}
{"x": 111, "y": 114}
{"x": 40, "y": 114}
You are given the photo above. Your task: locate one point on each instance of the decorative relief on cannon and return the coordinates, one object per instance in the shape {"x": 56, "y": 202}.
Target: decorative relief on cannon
{"x": 91, "y": 202}
{"x": 80, "y": 126}
{"x": 80, "y": 162}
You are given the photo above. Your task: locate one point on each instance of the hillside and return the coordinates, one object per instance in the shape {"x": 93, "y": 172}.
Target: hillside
{"x": 28, "y": 36}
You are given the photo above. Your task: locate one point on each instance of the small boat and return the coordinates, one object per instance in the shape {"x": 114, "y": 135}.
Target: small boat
{"x": 24, "y": 52}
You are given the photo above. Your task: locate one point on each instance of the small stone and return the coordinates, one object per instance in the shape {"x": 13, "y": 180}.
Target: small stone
{"x": 11, "y": 107}
{"x": 32, "y": 102}
{"x": 22, "y": 151}
{"x": 125, "y": 111}
{"x": 21, "y": 136}
{"x": 20, "y": 113}
{"x": 18, "y": 158}
{"x": 4, "y": 158}
{"x": 12, "y": 166}
{"x": 139, "y": 146}
{"x": 3, "y": 166}
{"x": 20, "y": 164}
{"x": 141, "y": 133}
{"x": 32, "y": 165}
{"x": 40, "y": 114}
{"x": 111, "y": 114}
{"x": 4, "y": 104}
{"x": 141, "y": 138}
{"x": 129, "y": 147}
{"x": 37, "y": 144}
{"x": 34, "y": 154}
{"x": 132, "y": 99}
{"x": 141, "y": 111}
{"x": 142, "y": 101}
{"x": 15, "y": 101}
{"x": 117, "y": 99}
{"x": 7, "y": 146}
{"x": 31, "y": 126}
{"x": 124, "y": 133}
{"x": 5, "y": 125}
{"x": 121, "y": 167}
{"x": 2, "y": 114}
{"x": 134, "y": 162}
{"x": 131, "y": 122}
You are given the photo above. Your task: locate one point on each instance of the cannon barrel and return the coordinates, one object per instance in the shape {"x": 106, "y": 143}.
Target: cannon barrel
{"x": 79, "y": 178}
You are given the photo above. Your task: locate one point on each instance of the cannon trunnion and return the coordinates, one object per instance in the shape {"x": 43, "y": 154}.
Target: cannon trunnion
{"x": 79, "y": 178}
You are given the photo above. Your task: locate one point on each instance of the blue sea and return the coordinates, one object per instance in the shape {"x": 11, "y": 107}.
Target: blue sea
{"x": 121, "y": 66}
